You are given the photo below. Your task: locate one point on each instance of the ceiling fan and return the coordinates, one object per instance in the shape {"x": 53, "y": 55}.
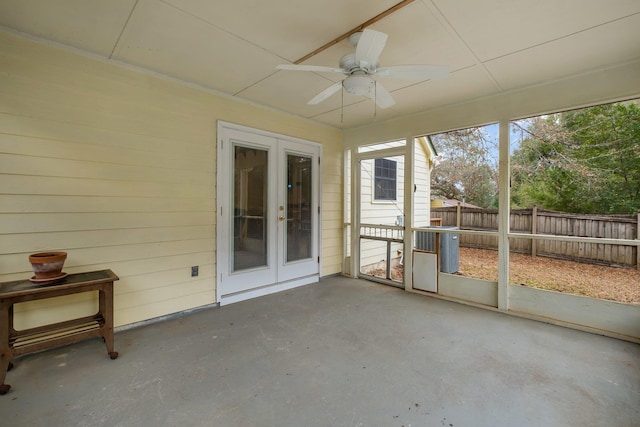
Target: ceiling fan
{"x": 361, "y": 65}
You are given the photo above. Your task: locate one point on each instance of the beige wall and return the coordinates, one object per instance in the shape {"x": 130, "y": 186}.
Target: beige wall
{"x": 117, "y": 167}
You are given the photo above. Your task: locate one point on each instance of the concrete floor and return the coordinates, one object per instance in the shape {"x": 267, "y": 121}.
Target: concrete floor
{"x": 338, "y": 353}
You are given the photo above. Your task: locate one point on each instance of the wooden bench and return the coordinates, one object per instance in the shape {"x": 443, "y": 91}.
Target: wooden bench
{"x": 16, "y": 343}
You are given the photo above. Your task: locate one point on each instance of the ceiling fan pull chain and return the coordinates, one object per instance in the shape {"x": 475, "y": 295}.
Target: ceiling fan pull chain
{"x": 375, "y": 98}
{"x": 342, "y": 105}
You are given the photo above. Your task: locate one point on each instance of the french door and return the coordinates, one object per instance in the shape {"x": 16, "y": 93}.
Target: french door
{"x": 268, "y": 209}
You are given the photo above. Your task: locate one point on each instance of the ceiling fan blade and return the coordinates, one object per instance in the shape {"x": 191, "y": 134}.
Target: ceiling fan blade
{"x": 381, "y": 96}
{"x": 370, "y": 47}
{"x": 318, "y": 68}
{"x": 325, "y": 93}
{"x": 420, "y": 72}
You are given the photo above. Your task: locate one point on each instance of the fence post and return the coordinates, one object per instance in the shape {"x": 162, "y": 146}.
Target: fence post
{"x": 458, "y": 216}
{"x": 638, "y": 237}
{"x": 534, "y": 230}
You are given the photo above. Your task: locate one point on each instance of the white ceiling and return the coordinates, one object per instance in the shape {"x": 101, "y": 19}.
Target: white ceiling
{"x": 490, "y": 46}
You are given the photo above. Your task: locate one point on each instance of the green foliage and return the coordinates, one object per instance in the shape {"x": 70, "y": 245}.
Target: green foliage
{"x": 582, "y": 161}
{"x": 467, "y": 167}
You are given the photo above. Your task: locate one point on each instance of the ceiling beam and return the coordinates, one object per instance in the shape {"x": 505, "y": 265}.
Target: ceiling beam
{"x": 355, "y": 30}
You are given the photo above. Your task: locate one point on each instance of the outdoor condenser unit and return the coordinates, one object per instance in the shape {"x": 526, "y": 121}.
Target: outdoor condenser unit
{"x": 449, "y": 247}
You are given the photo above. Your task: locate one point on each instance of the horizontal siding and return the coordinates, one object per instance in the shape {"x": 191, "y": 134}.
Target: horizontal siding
{"x": 78, "y": 259}
{"x": 118, "y": 168}
{"x": 92, "y": 169}
{"x": 87, "y": 113}
{"x": 101, "y": 155}
{"x": 37, "y": 313}
{"x": 387, "y": 212}
{"x": 61, "y": 186}
{"x": 182, "y": 302}
{"x": 331, "y": 210}
{"x": 37, "y": 203}
{"x": 23, "y": 243}
{"x": 381, "y": 212}
{"x": 374, "y": 251}
{"x": 422, "y": 193}
{"x": 378, "y": 211}
{"x": 43, "y": 222}
{"x": 162, "y": 292}
{"x": 101, "y": 141}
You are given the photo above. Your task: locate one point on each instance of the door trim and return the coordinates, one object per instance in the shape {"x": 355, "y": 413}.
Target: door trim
{"x": 222, "y": 234}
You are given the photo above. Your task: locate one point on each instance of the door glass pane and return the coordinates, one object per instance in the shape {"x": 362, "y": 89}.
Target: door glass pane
{"x": 250, "y": 172}
{"x": 299, "y": 207}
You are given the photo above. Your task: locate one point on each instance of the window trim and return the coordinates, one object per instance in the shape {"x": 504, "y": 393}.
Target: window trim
{"x": 376, "y": 178}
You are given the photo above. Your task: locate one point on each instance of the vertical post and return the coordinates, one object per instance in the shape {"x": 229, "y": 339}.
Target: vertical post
{"x": 503, "y": 217}
{"x": 355, "y": 215}
{"x": 388, "y": 266}
{"x": 409, "y": 171}
{"x": 534, "y": 230}
{"x": 346, "y": 214}
{"x": 458, "y": 216}
{"x": 638, "y": 237}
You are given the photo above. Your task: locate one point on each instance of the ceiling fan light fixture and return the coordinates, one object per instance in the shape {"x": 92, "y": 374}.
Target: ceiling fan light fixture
{"x": 361, "y": 65}
{"x": 359, "y": 85}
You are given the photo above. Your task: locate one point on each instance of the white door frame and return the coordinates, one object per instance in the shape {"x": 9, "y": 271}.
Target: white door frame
{"x": 272, "y": 142}
{"x": 356, "y": 199}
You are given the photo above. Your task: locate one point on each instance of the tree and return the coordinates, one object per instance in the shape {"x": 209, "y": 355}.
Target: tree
{"x": 467, "y": 167}
{"x": 582, "y": 161}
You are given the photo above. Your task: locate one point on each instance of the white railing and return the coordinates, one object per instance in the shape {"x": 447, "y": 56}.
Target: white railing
{"x": 390, "y": 233}
{"x": 385, "y": 233}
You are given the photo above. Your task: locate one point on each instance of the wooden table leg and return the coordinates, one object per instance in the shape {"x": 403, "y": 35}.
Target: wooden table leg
{"x": 106, "y": 310}
{"x": 5, "y": 365}
{"x": 5, "y": 350}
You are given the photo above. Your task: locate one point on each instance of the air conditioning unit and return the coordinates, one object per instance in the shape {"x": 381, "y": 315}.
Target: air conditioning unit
{"x": 449, "y": 247}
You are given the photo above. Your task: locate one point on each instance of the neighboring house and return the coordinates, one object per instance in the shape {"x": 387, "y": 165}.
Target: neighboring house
{"x": 382, "y": 195}
{"x": 438, "y": 202}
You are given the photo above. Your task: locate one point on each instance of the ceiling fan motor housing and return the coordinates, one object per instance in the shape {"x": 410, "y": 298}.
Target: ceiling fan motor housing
{"x": 358, "y": 84}
{"x": 348, "y": 63}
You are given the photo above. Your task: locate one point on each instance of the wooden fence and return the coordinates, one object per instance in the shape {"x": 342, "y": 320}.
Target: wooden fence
{"x": 540, "y": 221}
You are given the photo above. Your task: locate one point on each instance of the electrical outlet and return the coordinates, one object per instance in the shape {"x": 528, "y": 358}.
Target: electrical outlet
{"x": 194, "y": 271}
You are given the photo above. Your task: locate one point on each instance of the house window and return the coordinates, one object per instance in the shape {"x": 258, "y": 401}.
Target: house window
{"x": 385, "y": 179}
